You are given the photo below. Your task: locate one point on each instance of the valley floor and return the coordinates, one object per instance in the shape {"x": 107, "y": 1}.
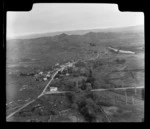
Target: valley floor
{"x": 108, "y": 70}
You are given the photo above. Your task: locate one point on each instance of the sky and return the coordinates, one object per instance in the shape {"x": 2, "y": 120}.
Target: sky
{"x": 61, "y": 17}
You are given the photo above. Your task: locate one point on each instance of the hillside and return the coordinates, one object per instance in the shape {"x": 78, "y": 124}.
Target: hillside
{"x": 82, "y": 32}
{"x": 49, "y": 50}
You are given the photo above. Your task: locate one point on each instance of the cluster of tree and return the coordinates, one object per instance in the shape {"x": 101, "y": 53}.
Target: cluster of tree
{"x": 86, "y": 104}
{"x": 92, "y": 44}
{"x": 27, "y": 74}
{"x": 47, "y": 68}
{"x": 80, "y": 64}
{"x": 79, "y": 86}
{"x": 76, "y": 74}
{"x": 71, "y": 86}
{"x": 120, "y": 61}
{"x": 63, "y": 72}
{"x": 89, "y": 109}
{"x": 65, "y": 84}
{"x": 89, "y": 83}
{"x": 80, "y": 72}
{"x": 36, "y": 111}
{"x": 59, "y": 75}
{"x": 91, "y": 80}
{"x": 70, "y": 70}
{"x": 85, "y": 86}
{"x": 97, "y": 64}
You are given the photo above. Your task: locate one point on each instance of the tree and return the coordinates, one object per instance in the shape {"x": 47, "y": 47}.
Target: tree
{"x": 88, "y": 109}
{"x": 83, "y": 87}
{"x": 70, "y": 70}
{"x": 92, "y": 96}
{"x": 92, "y": 44}
{"x": 80, "y": 64}
{"x": 74, "y": 106}
{"x": 90, "y": 73}
{"x": 88, "y": 87}
{"x": 90, "y": 80}
{"x": 120, "y": 61}
{"x": 71, "y": 86}
{"x": 96, "y": 85}
{"x": 72, "y": 97}
{"x": 76, "y": 74}
{"x": 97, "y": 64}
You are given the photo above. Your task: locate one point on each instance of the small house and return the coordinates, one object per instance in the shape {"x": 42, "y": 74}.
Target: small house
{"x": 57, "y": 64}
{"x": 47, "y": 75}
{"x": 67, "y": 74}
{"x": 44, "y": 79}
{"x": 53, "y": 89}
{"x": 70, "y": 65}
{"x": 40, "y": 73}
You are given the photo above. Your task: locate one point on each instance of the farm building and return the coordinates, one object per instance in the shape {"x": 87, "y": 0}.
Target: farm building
{"x": 57, "y": 64}
{"x": 44, "y": 79}
{"x": 40, "y": 73}
{"x": 53, "y": 88}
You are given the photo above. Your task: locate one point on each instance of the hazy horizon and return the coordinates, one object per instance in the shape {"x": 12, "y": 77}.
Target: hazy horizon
{"x": 69, "y": 17}
{"x": 30, "y": 34}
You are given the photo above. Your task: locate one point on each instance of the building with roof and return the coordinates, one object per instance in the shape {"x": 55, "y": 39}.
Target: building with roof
{"x": 53, "y": 88}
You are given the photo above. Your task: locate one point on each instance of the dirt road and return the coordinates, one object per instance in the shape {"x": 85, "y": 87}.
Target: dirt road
{"x": 43, "y": 92}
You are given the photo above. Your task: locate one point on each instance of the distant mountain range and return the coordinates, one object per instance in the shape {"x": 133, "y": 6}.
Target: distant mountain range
{"x": 83, "y": 32}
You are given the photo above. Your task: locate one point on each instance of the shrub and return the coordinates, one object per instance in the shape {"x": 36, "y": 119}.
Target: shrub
{"x": 80, "y": 64}
{"x": 97, "y": 64}
{"x": 120, "y": 61}
{"x": 24, "y": 113}
{"x": 83, "y": 85}
{"x": 71, "y": 97}
{"x": 92, "y": 44}
{"x": 53, "y": 112}
{"x": 91, "y": 80}
{"x": 71, "y": 86}
{"x": 88, "y": 87}
{"x": 76, "y": 74}
{"x": 92, "y": 96}
{"x": 74, "y": 106}
{"x": 88, "y": 109}
{"x": 96, "y": 85}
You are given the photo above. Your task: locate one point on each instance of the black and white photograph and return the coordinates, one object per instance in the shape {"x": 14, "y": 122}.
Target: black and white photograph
{"x": 75, "y": 62}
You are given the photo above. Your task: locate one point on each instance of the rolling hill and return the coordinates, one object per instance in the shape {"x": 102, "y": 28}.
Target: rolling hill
{"x": 82, "y": 32}
{"x": 63, "y": 47}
